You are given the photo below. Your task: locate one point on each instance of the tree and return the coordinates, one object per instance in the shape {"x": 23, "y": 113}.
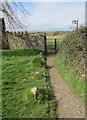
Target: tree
{"x": 8, "y": 12}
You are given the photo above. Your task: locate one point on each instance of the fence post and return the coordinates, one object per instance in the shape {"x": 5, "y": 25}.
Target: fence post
{"x": 55, "y": 46}
{"x": 45, "y": 47}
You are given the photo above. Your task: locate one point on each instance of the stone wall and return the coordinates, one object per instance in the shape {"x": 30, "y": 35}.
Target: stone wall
{"x": 20, "y": 40}
{"x": 25, "y": 40}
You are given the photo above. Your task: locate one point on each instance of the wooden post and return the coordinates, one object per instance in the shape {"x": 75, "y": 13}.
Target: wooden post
{"x": 45, "y": 46}
{"x": 55, "y": 46}
{"x": 77, "y": 25}
{"x": 58, "y": 45}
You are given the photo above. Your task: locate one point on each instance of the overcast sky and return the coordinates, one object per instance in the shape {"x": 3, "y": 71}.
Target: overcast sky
{"x": 52, "y": 16}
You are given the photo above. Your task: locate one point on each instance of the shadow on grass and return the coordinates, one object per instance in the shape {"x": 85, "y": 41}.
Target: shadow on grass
{"x": 23, "y": 52}
{"x": 45, "y": 95}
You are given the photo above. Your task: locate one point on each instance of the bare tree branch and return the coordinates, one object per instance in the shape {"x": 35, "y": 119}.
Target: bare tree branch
{"x": 11, "y": 18}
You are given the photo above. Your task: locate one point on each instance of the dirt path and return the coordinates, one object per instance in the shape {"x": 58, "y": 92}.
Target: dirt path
{"x": 68, "y": 105}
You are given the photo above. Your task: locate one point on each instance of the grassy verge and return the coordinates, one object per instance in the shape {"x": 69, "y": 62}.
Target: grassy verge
{"x": 76, "y": 83}
{"x": 18, "y": 69}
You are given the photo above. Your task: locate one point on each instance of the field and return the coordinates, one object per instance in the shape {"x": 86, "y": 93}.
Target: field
{"x": 51, "y": 39}
{"x": 19, "y": 68}
{"x": 52, "y": 33}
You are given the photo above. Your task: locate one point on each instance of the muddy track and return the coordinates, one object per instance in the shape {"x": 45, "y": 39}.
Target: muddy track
{"x": 68, "y": 105}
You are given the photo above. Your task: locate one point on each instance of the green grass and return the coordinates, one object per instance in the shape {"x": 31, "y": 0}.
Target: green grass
{"x": 18, "y": 77}
{"x": 51, "y": 41}
{"x": 76, "y": 84}
{"x": 71, "y": 62}
{"x": 60, "y": 32}
{"x": 50, "y": 38}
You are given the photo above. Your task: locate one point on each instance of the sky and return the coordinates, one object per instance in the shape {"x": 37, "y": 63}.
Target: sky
{"x": 52, "y": 16}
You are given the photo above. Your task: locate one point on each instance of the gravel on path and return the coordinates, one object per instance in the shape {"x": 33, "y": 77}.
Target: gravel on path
{"x": 68, "y": 105}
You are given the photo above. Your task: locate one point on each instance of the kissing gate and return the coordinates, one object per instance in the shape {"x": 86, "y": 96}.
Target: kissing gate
{"x": 51, "y": 44}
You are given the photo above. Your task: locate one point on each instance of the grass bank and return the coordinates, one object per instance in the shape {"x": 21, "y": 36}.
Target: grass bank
{"x": 18, "y": 77}
{"x": 75, "y": 83}
{"x": 71, "y": 62}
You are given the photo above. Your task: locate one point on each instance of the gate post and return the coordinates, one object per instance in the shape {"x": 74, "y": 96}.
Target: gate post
{"x": 45, "y": 46}
{"x": 55, "y": 46}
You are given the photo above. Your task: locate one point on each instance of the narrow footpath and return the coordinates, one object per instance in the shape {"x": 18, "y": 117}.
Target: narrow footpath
{"x": 68, "y": 105}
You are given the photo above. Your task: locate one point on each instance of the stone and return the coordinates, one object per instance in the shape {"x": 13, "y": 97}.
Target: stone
{"x": 79, "y": 106}
{"x": 35, "y": 92}
{"x": 83, "y": 75}
{"x": 38, "y": 74}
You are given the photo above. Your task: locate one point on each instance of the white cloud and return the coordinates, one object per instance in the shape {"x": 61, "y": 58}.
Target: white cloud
{"x": 48, "y": 0}
{"x": 54, "y": 16}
